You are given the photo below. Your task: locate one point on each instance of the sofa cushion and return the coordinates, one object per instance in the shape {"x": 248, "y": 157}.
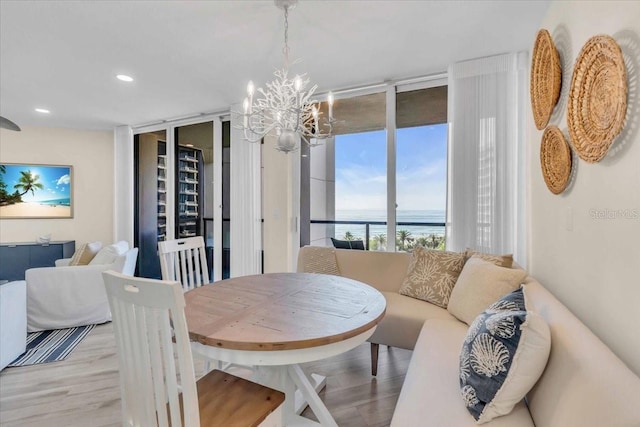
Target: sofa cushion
{"x": 503, "y": 355}
{"x": 85, "y": 253}
{"x": 403, "y": 320}
{"x": 108, "y": 254}
{"x": 432, "y": 275}
{"x": 382, "y": 270}
{"x": 480, "y": 284}
{"x": 505, "y": 261}
{"x": 430, "y": 395}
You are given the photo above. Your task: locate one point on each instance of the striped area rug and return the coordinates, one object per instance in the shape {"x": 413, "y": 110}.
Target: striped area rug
{"x": 51, "y": 346}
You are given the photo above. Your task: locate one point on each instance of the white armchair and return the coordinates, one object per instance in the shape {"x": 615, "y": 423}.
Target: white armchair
{"x": 66, "y": 296}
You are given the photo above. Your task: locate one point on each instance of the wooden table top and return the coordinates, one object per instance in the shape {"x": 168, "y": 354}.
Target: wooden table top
{"x": 281, "y": 311}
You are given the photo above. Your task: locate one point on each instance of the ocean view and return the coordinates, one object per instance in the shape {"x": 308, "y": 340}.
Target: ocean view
{"x": 358, "y": 231}
{"x": 66, "y": 201}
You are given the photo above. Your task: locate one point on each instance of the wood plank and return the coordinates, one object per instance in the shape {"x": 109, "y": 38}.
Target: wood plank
{"x": 84, "y": 389}
{"x": 227, "y": 400}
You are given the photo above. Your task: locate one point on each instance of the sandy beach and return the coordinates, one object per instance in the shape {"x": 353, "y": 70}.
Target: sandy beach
{"x": 34, "y": 210}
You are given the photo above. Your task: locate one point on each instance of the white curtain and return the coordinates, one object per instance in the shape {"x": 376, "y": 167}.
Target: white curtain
{"x": 246, "y": 204}
{"x": 486, "y": 194}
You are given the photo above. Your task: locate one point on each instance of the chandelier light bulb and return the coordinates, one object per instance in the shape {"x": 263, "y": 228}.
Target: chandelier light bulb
{"x": 250, "y": 88}
{"x": 330, "y": 102}
{"x": 297, "y": 83}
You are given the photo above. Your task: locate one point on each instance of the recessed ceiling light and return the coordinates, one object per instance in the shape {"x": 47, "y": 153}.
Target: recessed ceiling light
{"x": 42, "y": 110}
{"x": 189, "y": 145}
{"x": 124, "y": 78}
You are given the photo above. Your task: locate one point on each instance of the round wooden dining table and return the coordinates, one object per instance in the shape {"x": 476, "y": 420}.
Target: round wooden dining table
{"x": 274, "y": 322}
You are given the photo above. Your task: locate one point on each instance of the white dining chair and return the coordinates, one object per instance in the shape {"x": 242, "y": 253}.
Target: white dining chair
{"x": 148, "y": 315}
{"x": 185, "y": 261}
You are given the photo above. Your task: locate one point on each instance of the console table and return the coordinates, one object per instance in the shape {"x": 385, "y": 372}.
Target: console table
{"x": 16, "y": 258}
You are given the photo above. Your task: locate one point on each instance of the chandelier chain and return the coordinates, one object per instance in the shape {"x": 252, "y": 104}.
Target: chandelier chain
{"x": 285, "y": 50}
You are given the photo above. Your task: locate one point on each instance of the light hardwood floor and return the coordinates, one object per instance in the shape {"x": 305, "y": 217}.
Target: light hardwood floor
{"x": 83, "y": 390}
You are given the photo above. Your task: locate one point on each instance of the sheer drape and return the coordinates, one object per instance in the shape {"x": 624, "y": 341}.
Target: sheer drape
{"x": 246, "y": 208}
{"x": 486, "y": 193}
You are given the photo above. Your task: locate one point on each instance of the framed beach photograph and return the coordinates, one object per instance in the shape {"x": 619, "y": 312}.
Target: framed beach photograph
{"x": 36, "y": 191}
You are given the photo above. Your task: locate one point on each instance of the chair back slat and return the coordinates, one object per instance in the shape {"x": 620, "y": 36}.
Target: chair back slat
{"x": 147, "y": 315}
{"x": 185, "y": 261}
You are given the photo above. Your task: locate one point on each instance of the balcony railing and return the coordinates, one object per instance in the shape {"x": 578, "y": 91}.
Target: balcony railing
{"x": 368, "y": 224}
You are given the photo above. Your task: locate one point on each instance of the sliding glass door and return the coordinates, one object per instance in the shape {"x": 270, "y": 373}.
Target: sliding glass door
{"x": 178, "y": 190}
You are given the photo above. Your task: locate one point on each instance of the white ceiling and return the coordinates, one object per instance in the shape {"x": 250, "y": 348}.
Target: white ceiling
{"x": 189, "y": 57}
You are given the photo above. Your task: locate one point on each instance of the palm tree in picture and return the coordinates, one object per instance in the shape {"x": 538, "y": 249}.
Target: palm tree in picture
{"x": 4, "y": 196}
{"x": 28, "y": 182}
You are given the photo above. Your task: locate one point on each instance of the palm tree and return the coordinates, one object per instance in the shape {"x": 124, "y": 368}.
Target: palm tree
{"x": 422, "y": 241}
{"x": 28, "y": 182}
{"x": 348, "y": 236}
{"x": 378, "y": 242}
{"x": 404, "y": 236}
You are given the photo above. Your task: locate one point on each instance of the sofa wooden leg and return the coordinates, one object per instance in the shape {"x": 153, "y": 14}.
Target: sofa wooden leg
{"x": 374, "y": 359}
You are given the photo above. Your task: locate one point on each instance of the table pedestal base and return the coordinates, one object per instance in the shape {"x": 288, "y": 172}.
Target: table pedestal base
{"x": 281, "y": 370}
{"x": 318, "y": 382}
{"x": 300, "y": 391}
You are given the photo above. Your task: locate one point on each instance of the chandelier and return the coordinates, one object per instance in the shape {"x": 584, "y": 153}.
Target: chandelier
{"x": 286, "y": 107}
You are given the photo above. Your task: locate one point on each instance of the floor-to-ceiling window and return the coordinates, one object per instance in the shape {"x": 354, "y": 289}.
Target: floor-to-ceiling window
{"x": 421, "y": 168}
{"x": 384, "y": 173}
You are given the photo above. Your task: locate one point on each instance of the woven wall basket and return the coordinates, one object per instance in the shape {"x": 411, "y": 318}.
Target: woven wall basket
{"x": 546, "y": 78}
{"x": 597, "y": 99}
{"x": 555, "y": 160}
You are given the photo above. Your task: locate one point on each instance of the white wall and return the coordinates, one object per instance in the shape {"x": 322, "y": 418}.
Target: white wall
{"x": 593, "y": 264}
{"x": 91, "y": 155}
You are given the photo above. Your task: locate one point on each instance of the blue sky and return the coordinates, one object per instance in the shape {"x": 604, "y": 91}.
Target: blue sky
{"x": 421, "y": 169}
{"x": 55, "y": 180}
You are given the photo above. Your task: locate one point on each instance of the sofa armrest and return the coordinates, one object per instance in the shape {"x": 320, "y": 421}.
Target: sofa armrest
{"x": 65, "y": 275}
{"x": 64, "y": 262}
{"x": 13, "y": 321}
{"x": 62, "y": 297}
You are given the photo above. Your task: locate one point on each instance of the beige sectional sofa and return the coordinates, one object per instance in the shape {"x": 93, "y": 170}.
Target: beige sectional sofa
{"x": 583, "y": 384}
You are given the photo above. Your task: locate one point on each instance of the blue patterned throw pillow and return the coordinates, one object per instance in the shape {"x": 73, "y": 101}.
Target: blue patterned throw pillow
{"x": 503, "y": 355}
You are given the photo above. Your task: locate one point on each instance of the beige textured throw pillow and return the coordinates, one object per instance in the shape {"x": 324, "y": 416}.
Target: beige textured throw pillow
{"x": 499, "y": 260}
{"x": 432, "y": 275}
{"x": 85, "y": 254}
{"x": 320, "y": 260}
{"x": 480, "y": 284}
